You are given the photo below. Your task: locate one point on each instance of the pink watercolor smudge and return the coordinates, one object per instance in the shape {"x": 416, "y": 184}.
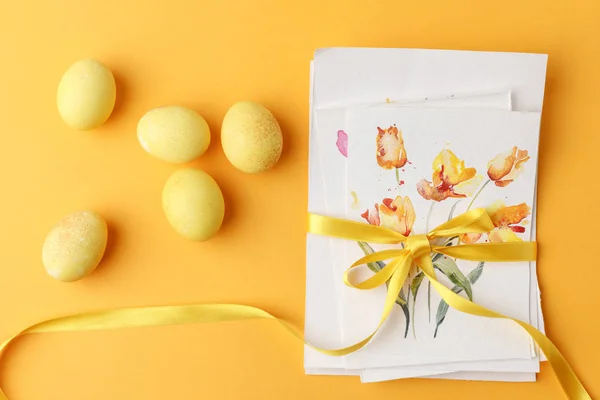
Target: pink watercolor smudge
{"x": 342, "y": 143}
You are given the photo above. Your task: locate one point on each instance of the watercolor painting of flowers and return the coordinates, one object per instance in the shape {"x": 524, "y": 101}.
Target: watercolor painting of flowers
{"x": 452, "y": 179}
{"x": 504, "y": 168}
{"x": 397, "y": 214}
{"x": 391, "y": 153}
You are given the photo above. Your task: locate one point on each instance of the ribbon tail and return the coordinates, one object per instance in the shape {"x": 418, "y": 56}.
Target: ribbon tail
{"x": 146, "y": 317}
{"x": 568, "y": 380}
{"x": 199, "y": 313}
{"x": 380, "y": 277}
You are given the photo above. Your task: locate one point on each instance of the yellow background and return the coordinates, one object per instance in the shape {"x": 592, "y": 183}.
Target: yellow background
{"x": 207, "y": 55}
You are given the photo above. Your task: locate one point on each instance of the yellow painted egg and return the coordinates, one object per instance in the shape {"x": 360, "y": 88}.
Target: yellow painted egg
{"x": 193, "y": 204}
{"x": 251, "y": 137}
{"x": 174, "y": 134}
{"x": 86, "y": 94}
{"x": 75, "y": 246}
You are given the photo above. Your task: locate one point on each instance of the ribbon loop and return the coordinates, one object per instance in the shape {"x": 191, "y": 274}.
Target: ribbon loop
{"x": 374, "y": 281}
{"x": 379, "y": 256}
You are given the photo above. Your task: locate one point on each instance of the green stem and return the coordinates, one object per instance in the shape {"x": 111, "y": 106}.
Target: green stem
{"x": 429, "y": 287}
{"x": 429, "y": 299}
{"x": 397, "y": 176}
{"x": 477, "y": 194}
{"x": 412, "y": 316}
{"x": 429, "y": 215}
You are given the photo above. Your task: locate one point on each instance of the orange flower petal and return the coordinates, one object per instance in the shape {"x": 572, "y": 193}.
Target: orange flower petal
{"x": 522, "y": 156}
{"x": 502, "y": 183}
{"x": 451, "y": 169}
{"x": 398, "y": 214}
{"x": 390, "y": 148}
{"x": 438, "y": 193}
{"x": 393, "y": 222}
{"x": 450, "y": 178}
{"x": 411, "y": 216}
{"x": 509, "y": 215}
{"x": 501, "y": 165}
{"x": 425, "y": 189}
{"x": 468, "y": 187}
{"x": 372, "y": 216}
{"x": 470, "y": 238}
{"x": 504, "y": 168}
{"x": 389, "y": 203}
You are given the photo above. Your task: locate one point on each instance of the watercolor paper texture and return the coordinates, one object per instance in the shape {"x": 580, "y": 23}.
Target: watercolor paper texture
{"x": 415, "y": 170}
{"x": 351, "y": 76}
{"x": 348, "y": 76}
{"x": 327, "y": 165}
{"x": 329, "y": 120}
{"x": 505, "y": 365}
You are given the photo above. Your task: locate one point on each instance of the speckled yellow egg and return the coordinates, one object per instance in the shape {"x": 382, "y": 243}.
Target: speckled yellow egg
{"x": 174, "y": 134}
{"x": 251, "y": 137}
{"x": 193, "y": 204}
{"x": 86, "y": 94}
{"x": 75, "y": 246}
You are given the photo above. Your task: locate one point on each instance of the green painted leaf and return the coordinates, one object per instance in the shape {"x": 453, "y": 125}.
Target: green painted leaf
{"x": 448, "y": 267}
{"x": 429, "y": 301}
{"x": 406, "y": 312}
{"x": 440, "y": 316}
{"x": 473, "y": 277}
{"x": 416, "y": 283}
{"x": 378, "y": 266}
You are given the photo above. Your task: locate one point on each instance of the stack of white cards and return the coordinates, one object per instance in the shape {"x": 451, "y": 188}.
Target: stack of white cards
{"x": 406, "y": 139}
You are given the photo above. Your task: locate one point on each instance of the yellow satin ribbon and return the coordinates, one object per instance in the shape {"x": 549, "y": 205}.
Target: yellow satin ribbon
{"x": 417, "y": 251}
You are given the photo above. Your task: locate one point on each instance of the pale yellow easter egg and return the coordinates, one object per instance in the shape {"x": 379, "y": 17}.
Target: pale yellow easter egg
{"x": 174, "y": 134}
{"x": 75, "y": 246}
{"x": 251, "y": 137}
{"x": 193, "y": 204}
{"x": 86, "y": 94}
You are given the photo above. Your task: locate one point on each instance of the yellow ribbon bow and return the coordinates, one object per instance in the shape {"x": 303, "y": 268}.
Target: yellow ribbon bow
{"x": 418, "y": 250}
